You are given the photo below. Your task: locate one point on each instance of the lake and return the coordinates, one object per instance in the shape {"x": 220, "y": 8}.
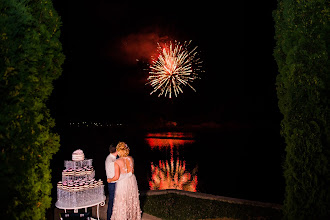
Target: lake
{"x": 242, "y": 163}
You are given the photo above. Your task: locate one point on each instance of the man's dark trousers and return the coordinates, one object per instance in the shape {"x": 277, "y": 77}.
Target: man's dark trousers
{"x": 112, "y": 189}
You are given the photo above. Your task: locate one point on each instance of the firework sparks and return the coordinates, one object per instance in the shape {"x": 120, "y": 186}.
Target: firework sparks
{"x": 174, "y": 67}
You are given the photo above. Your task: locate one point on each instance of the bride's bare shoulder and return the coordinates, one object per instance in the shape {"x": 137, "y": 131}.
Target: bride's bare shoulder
{"x": 122, "y": 160}
{"x": 119, "y": 160}
{"x": 131, "y": 158}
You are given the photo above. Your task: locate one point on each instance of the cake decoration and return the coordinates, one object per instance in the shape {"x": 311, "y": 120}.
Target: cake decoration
{"x": 78, "y": 155}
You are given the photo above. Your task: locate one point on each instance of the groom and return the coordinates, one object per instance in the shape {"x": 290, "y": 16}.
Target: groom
{"x": 110, "y": 170}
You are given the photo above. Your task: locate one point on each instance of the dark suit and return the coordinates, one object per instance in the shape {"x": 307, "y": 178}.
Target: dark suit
{"x": 112, "y": 189}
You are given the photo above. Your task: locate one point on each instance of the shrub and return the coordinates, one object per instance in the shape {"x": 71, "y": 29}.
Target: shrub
{"x": 31, "y": 59}
{"x": 302, "y": 32}
{"x": 173, "y": 206}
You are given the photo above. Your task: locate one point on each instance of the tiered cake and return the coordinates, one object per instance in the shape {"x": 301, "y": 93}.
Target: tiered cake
{"x": 78, "y": 187}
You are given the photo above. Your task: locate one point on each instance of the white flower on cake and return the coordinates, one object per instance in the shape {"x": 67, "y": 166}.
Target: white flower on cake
{"x": 78, "y": 155}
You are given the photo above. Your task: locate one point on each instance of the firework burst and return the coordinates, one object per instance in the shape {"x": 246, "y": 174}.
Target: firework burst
{"x": 174, "y": 68}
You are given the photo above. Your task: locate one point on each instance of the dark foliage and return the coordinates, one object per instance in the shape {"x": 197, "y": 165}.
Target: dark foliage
{"x": 303, "y": 89}
{"x": 31, "y": 60}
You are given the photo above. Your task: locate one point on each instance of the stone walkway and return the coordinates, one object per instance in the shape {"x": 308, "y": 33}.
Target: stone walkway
{"x": 146, "y": 216}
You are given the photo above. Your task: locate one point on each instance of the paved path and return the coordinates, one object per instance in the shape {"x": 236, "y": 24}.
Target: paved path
{"x": 146, "y": 216}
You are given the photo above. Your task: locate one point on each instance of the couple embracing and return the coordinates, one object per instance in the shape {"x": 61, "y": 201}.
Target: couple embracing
{"x": 123, "y": 190}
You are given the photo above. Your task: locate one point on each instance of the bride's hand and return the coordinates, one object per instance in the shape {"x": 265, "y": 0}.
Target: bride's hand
{"x": 109, "y": 180}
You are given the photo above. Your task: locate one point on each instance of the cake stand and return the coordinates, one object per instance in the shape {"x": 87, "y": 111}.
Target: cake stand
{"x": 75, "y": 209}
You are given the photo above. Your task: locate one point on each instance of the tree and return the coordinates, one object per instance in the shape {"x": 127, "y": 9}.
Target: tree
{"x": 31, "y": 59}
{"x": 302, "y": 33}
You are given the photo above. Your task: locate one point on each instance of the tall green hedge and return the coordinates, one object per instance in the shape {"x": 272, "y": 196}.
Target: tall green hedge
{"x": 31, "y": 59}
{"x": 302, "y": 33}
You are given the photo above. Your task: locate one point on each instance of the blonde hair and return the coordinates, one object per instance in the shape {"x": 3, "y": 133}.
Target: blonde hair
{"x": 122, "y": 149}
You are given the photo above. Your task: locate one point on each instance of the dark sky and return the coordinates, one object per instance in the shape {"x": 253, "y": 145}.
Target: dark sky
{"x": 102, "y": 80}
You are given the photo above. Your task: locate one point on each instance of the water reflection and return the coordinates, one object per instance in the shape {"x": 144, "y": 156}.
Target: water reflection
{"x": 171, "y": 135}
{"x": 171, "y": 174}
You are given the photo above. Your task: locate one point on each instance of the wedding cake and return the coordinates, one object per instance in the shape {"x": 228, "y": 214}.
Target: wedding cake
{"x": 78, "y": 187}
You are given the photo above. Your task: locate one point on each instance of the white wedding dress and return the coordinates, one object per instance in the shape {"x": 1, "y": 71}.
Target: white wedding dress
{"x": 126, "y": 203}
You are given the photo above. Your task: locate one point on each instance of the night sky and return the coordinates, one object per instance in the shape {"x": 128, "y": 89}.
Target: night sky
{"x": 108, "y": 45}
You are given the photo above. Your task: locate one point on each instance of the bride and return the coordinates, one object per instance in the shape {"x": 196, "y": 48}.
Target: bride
{"x": 126, "y": 202}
